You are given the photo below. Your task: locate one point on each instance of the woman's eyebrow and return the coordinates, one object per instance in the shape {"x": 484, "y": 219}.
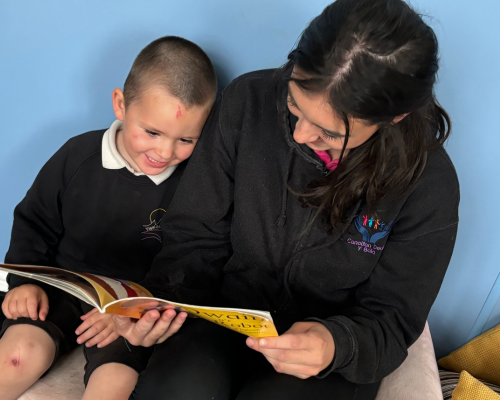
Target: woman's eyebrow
{"x": 332, "y": 133}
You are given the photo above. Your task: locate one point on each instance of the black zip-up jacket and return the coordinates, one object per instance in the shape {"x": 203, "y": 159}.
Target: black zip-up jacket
{"x": 79, "y": 216}
{"x": 234, "y": 231}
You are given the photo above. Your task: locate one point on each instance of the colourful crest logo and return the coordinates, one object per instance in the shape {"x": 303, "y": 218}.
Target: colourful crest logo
{"x": 379, "y": 227}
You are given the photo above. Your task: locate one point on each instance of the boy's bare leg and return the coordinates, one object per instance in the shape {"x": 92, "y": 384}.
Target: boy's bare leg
{"x": 111, "y": 381}
{"x": 26, "y": 352}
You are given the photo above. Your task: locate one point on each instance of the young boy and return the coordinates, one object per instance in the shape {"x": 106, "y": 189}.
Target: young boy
{"x": 96, "y": 207}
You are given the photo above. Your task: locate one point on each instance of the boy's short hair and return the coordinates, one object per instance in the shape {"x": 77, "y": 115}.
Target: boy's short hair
{"x": 177, "y": 65}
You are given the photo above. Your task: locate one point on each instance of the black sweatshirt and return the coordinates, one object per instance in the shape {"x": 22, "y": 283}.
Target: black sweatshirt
{"x": 234, "y": 232}
{"x": 84, "y": 218}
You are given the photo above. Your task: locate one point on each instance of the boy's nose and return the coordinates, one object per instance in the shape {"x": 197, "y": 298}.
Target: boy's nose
{"x": 165, "y": 152}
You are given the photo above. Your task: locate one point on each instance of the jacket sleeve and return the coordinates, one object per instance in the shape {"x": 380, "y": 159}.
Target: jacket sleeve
{"x": 392, "y": 305}
{"x": 196, "y": 227}
{"x": 37, "y": 225}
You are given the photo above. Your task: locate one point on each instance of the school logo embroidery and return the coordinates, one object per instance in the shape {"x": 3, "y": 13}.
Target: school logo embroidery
{"x": 153, "y": 229}
{"x": 372, "y": 230}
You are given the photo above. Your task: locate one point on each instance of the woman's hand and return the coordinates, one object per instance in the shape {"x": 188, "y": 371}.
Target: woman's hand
{"x": 29, "y": 301}
{"x": 97, "y": 328}
{"x": 305, "y": 350}
{"x": 151, "y": 329}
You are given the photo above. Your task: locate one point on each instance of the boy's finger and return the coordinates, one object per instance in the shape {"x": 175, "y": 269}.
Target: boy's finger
{"x": 43, "y": 305}
{"x": 22, "y": 308}
{"x": 13, "y": 308}
{"x": 5, "y": 308}
{"x": 91, "y": 312}
{"x": 110, "y": 339}
{"x": 32, "y": 306}
{"x": 174, "y": 327}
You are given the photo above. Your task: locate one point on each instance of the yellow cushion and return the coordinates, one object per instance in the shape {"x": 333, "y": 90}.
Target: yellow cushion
{"x": 469, "y": 388}
{"x": 480, "y": 357}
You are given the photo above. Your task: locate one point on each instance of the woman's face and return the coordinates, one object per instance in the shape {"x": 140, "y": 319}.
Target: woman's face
{"x": 319, "y": 127}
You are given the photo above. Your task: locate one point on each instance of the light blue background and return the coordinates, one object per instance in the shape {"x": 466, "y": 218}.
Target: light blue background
{"x": 60, "y": 60}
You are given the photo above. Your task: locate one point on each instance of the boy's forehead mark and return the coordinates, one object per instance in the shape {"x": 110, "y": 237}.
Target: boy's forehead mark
{"x": 178, "y": 114}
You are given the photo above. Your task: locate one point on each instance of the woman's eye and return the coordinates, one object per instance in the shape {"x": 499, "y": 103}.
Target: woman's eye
{"x": 291, "y": 102}
{"x": 329, "y": 136}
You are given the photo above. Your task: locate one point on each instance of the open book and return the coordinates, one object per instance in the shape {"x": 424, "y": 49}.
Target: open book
{"x": 116, "y": 296}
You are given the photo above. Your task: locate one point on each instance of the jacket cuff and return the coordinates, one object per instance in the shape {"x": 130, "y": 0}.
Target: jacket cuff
{"x": 17, "y": 280}
{"x": 344, "y": 343}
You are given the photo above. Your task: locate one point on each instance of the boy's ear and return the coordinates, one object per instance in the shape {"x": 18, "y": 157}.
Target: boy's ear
{"x": 118, "y": 104}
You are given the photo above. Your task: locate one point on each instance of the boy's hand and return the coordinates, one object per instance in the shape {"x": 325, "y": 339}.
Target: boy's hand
{"x": 29, "y": 301}
{"x": 97, "y": 329}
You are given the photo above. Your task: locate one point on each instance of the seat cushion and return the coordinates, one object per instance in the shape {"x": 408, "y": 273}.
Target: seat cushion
{"x": 64, "y": 382}
{"x": 416, "y": 379}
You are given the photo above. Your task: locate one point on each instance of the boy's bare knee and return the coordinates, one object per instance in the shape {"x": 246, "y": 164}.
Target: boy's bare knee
{"x": 26, "y": 348}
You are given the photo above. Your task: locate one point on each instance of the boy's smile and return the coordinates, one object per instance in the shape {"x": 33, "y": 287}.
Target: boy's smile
{"x": 158, "y": 131}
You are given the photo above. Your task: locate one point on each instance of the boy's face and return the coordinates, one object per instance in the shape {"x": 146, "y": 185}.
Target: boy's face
{"x": 158, "y": 131}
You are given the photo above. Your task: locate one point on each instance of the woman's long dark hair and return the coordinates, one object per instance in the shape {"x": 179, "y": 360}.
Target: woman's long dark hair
{"x": 375, "y": 60}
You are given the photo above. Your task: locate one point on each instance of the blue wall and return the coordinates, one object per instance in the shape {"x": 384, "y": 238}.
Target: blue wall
{"x": 60, "y": 61}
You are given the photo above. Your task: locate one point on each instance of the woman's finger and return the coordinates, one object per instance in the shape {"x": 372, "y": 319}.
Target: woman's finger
{"x": 110, "y": 339}
{"x": 136, "y": 332}
{"x": 285, "y": 341}
{"x": 91, "y": 332}
{"x": 91, "y": 312}
{"x": 300, "y": 371}
{"x": 99, "y": 337}
{"x": 91, "y": 320}
{"x": 174, "y": 327}
{"x": 301, "y": 357}
{"x": 160, "y": 328}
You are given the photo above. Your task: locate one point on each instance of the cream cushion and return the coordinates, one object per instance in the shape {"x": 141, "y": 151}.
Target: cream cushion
{"x": 416, "y": 379}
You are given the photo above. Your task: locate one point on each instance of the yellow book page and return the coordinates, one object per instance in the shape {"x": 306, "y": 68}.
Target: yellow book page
{"x": 247, "y": 324}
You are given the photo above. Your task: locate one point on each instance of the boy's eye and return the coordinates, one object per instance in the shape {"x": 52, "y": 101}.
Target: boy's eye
{"x": 152, "y": 133}
{"x": 187, "y": 141}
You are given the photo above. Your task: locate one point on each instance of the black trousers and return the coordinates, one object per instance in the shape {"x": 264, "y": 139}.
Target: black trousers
{"x": 204, "y": 361}
{"x": 63, "y": 319}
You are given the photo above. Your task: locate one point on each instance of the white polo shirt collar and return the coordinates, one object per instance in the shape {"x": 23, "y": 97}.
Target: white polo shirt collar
{"x": 112, "y": 159}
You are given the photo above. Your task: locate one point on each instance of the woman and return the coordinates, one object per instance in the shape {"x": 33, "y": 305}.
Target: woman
{"x": 326, "y": 198}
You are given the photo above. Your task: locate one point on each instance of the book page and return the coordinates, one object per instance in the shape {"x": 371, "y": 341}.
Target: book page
{"x": 61, "y": 279}
{"x": 100, "y": 290}
{"x": 248, "y": 322}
